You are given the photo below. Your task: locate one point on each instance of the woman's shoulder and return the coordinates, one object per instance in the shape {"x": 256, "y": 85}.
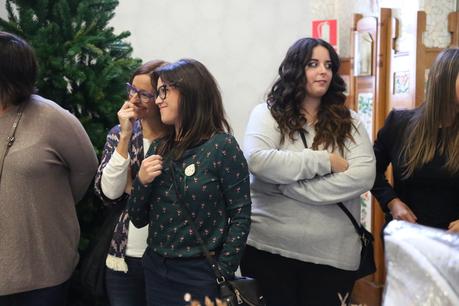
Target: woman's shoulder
{"x": 402, "y": 113}
{"x": 261, "y": 118}
{"x": 261, "y": 109}
{"x": 399, "y": 118}
{"x": 46, "y": 106}
{"x": 51, "y": 111}
{"x": 222, "y": 147}
{"x": 223, "y": 138}
{"x": 115, "y": 130}
{"x": 222, "y": 142}
{"x": 395, "y": 125}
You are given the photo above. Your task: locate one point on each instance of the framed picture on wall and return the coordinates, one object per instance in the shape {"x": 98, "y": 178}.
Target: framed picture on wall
{"x": 365, "y": 110}
{"x": 401, "y": 82}
{"x": 363, "y": 52}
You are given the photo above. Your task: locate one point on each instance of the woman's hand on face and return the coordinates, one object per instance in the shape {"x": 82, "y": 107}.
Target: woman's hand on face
{"x": 150, "y": 168}
{"x": 126, "y": 116}
{"x": 338, "y": 164}
{"x": 401, "y": 211}
{"x": 453, "y": 227}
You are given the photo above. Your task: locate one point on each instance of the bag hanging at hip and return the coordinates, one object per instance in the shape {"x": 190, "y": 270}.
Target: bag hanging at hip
{"x": 367, "y": 261}
{"x": 241, "y": 291}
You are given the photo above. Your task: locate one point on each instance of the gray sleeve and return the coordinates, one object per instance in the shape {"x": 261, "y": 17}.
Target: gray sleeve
{"x": 272, "y": 165}
{"x": 343, "y": 186}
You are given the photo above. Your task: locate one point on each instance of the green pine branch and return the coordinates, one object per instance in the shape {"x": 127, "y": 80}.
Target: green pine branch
{"x": 83, "y": 66}
{"x": 83, "y": 63}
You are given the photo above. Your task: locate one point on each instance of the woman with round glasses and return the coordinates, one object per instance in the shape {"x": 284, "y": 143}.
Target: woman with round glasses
{"x": 139, "y": 125}
{"x": 198, "y": 170}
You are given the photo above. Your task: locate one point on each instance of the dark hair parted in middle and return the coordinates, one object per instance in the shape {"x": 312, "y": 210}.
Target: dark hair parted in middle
{"x": 148, "y": 68}
{"x": 18, "y": 69}
{"x": 334, "y": 121}
{"x": 201, "y": 111}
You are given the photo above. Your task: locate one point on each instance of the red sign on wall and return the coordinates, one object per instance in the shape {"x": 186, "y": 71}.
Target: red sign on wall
{"x": 326, "y": 30}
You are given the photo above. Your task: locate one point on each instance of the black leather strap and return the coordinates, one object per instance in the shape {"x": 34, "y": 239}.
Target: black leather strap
{"x": 357, "y": 226}
{"x": 187, "y": 213}
{"x": 303, "y": 138}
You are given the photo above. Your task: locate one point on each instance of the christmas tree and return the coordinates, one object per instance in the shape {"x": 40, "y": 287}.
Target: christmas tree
{"x": 83, "y": 64}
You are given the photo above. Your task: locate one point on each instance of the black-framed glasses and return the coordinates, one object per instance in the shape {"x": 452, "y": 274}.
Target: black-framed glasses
{"x": 145, "y": 97}
{"x": 163, "y": 89}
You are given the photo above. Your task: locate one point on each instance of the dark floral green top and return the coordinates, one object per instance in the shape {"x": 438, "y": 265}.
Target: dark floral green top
{"x": 213, "y": 180}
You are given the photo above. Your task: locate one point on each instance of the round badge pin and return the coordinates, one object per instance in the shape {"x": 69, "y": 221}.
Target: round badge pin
{"x": 190, "y": 169}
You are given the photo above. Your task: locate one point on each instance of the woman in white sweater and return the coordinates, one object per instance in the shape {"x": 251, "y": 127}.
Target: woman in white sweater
{"x": 126, "y": 145}
{"x": 302, "y": 248}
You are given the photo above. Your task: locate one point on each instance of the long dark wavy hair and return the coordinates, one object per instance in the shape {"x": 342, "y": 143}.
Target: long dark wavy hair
{"x": 434, "y": 128}
{"x": 200, "y": 106}
{"x": 334, "y": 122}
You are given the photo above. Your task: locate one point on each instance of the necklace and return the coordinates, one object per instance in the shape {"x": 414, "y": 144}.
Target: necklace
{"x": 10, "y": 139}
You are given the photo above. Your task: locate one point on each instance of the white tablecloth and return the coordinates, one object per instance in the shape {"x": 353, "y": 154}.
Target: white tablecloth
{"x": 422, "y": 266}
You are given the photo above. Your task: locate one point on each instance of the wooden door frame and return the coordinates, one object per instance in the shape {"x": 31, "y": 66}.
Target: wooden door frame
{"x": 368, "y": 290}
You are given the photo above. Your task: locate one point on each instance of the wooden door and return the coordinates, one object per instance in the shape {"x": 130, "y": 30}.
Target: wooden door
{"x": 369, "y": 91}
{"x": 397, "y": 81}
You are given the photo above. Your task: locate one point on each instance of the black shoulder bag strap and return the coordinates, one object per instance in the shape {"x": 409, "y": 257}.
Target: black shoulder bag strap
{"x": 357, "y": 227}
{"x": 219, "y": 276}
{"x": 10, "y": 140}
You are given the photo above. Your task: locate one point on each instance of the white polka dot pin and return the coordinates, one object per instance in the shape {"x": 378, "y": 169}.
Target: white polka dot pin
{"x": 190, "y": 170}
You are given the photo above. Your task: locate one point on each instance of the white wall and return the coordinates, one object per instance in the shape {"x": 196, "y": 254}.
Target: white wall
{"x": 241, "y": 42}
{"x": 2, "y": 9}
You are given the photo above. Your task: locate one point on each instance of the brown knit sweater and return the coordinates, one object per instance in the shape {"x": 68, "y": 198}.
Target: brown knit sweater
{"x": 46, "y": 171}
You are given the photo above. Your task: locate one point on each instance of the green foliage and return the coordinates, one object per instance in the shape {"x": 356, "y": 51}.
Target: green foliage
{"x": 83, "y": 64}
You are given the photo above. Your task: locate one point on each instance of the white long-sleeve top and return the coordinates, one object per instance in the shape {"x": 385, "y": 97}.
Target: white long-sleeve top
{"x": 294, "y": 193}
{"x": 113, "y": 184}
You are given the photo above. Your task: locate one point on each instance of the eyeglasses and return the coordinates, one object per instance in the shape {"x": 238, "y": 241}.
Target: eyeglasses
{"x": 145, "y": 97}
{"x": 163, "y": 89}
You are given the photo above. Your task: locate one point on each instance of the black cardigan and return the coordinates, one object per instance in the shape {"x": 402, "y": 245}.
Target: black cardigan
{"x": 431, "y": 192}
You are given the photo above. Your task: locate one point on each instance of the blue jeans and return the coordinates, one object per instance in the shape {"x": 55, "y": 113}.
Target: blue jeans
{"x": 126, "y": 289}
{"x": 169, "y": 279}
{"x": 50, "y": 296}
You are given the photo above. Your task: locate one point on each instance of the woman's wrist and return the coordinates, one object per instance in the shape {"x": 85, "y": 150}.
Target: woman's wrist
{"x": 125, "y": 135}
{"x": 392, "y": 202}
{"x": 123, "y": 146}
